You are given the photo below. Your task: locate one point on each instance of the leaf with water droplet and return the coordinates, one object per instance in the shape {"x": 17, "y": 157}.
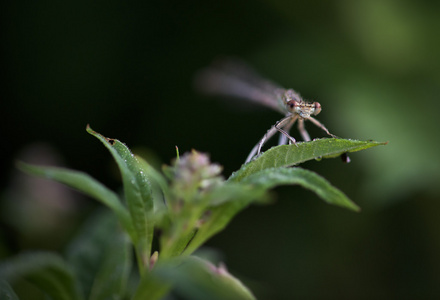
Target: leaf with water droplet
{"x": 137, "y": 191}
{"x": 289, "y": 155}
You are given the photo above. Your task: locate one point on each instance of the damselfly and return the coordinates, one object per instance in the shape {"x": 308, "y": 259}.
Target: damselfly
{"x": 234, "y": 78}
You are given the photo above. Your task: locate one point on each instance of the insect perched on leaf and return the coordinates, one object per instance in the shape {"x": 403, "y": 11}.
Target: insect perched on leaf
{"x": 234, "y": 78}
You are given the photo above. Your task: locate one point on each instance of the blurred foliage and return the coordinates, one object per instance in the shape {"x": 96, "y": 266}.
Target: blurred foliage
{"x": 373, "y": 65}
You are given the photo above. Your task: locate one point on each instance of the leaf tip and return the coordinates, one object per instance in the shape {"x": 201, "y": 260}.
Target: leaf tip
{"x": 21, "y": 165}
{"x": 177, "y": 153}
{"x": 90, "y": 130}
{"x": 356, "y": 208}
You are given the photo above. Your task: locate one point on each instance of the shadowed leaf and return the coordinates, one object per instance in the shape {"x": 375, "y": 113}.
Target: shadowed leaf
{"x": 196, "y": 278}
{"x": 86, "y": 184}
{"x": 270, "y": 178}
{"x": 100, "y": 256}
{"x": 45, "y": 270}
{"x": 6, "y": 292}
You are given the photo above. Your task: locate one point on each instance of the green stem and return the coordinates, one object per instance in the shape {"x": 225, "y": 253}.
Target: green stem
{"x": 143, "y": 250}
{"x": 140, "y": 261}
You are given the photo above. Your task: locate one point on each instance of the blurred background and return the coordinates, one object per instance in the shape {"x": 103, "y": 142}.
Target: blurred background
{"x": 126, "y": 68}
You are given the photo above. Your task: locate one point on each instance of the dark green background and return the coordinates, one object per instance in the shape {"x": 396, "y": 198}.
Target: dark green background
{"x": 126, "y": 68}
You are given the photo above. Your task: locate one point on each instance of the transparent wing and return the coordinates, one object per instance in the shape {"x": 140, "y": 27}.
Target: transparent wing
{"x": 233, "y": 78}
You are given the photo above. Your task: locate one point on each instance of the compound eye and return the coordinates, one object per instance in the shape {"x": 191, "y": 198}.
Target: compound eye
{"x": 292, "y": 104}
{"x": 317, "y": 108}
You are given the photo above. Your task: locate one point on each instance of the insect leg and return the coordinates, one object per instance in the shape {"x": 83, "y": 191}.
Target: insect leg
{"x": 320, "y": 125}
{"x": 270, "y": 133}
{"x": 302, "y": 130}
{"x": 284, "y": 136}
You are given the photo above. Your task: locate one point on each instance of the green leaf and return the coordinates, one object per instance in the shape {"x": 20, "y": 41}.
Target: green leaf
{"x": 233, "y": 191}
{"x": 86, "y": 184}
{"x": 234, "y": 199}
{"x": 138, "y": 195}
{"x": 111, "y": 279}
{"x": 6, "y": 292}
{"x": 151, "y": 288}
{"x": 196, "y": 278}
{"x": 218, "y": 207}
{"x": 289, "y": 155}
{"x": 101, "y": 258}
{"x": 159, "y": 186}
{"x": 46, "y": 270}
{"x": 270, "y": 178}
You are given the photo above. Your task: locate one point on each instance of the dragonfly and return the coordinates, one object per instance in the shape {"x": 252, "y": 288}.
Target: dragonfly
{"x": 233, "y": 78}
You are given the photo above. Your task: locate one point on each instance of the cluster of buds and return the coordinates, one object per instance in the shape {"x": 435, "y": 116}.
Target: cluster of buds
{"x": 192, "y": 174}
